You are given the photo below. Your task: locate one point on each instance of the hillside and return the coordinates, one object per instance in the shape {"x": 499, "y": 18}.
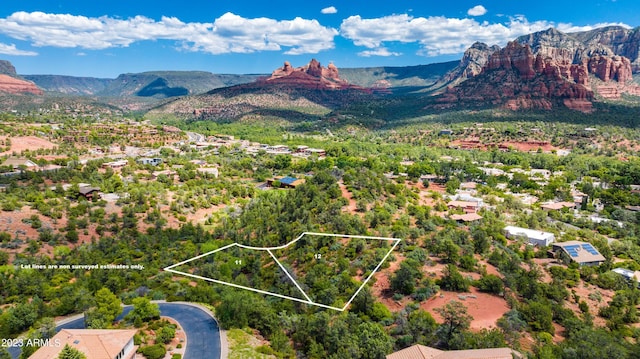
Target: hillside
{"x": 159, "y": 84}
{"x": 70, "y": 85}
{"x": 393, "y": 77}
{"x": 289, "y": 93}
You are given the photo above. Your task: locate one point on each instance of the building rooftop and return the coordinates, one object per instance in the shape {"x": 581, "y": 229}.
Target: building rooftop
{"x": 580, "y": 252}
{"x": 468, "y": 217}
{"x": 424, "y": 352}
{"x": 529, "y": 233}
{"x": 462, "y": 204}
{"x": 94, "y": 343}
{"x": 87, "y": 189}
{"x": 557, "y": 205}
{"x": 288, "y": 180}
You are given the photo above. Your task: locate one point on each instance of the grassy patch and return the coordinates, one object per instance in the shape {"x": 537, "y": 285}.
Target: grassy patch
{"x": 243, "y": 345}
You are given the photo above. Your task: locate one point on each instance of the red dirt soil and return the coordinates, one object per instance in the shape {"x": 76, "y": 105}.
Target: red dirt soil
{"x": 485, "y": 309}
{"x": 524, "y": 146}
{"x": 19, "y": 144}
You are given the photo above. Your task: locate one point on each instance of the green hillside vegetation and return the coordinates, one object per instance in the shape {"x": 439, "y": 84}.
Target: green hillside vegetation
{"x": 386, "y": 173}
{"x": 406, "y": 76}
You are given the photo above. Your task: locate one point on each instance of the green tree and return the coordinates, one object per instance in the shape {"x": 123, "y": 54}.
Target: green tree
{"x": 71, "y": 353}
{"x": 165, "y": 334}
{"x": 453, "y": 280}
{"x": 490, "y": 283}
{"x": 422, "y": 327}
{"x": 403, "y": 280}
{"x": 456, "y": 321}
{"x": 373, "y": 341}
{"x": 143, "y": 311}
{"x": 539, "y": 316}
{"x": 107, "y": 308}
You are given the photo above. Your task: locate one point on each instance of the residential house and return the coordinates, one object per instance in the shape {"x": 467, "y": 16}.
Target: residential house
{"x": 629, "y": 274}
{"x": 149, "y": 161}
{"x": 115, "y": 164}
{"x": 582, "y": 253}
{"x": 424, "y": 352}
{"x": 467, "y": 217}
{"x": 212, "y": 171}
{"x": 556, "y": 206}
{"x": 89, "y": 192}
{"x": 168, "y": 173}
{"x": 93, "y": 343}
{"x": 466, "y": 206}
{"x": 534, "y": 237}
{"x": 20, "y": 164}
{"x": 286, "y": 182}
{"x": 278, "y": 150}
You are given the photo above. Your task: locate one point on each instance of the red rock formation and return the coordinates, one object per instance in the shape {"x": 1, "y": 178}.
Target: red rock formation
{"x": 312, "y": 76}
{"x": 314, "y": 69}
{"x": 16, "y": 86}
{"x": 611, "y": 68}
{"x": 285, "y": 70}
{"x": 516, "y": 79}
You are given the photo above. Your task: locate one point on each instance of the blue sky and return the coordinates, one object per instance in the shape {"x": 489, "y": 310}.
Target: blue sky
{"x": 107, "y": 38}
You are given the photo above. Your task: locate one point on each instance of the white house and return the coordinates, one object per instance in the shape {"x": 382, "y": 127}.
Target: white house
{"x": 535, "y": 237}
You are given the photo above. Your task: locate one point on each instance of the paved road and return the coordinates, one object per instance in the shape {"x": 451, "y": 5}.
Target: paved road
{"x": 195, "y": 137}
{"x": 203, "y": 334}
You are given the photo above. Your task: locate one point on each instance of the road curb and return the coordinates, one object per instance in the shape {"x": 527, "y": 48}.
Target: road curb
{"x": 224, "y": 344}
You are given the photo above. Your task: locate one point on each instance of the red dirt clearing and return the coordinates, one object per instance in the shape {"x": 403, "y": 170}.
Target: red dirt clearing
{"x": 485, "y": 308}
{"x": 351, "y": 207}
{"x": 19, "y": 144}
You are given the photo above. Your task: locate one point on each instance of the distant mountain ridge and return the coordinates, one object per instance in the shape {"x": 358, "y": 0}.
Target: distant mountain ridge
{"x": 159, "y": 84}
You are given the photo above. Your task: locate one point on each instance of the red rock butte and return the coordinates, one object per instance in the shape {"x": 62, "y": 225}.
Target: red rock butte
{"x": 311, "y": 76}
{"x": 13, "y": 85}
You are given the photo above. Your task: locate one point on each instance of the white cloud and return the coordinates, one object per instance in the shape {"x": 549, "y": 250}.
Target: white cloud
{"x": 329, "y": 10}
{"x": 382, "y": 51}
{"x": 477, "y": 10}
{"x": 228, "y": 33}
{"x": 440, "y": 35}
{"x": 6, "y": 49}
{"x": 572, "y": 28}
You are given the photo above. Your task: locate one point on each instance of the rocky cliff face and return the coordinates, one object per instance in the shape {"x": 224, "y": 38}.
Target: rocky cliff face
{"x": 312, "y": 76}
{"x": 472, "y": 62}
{"x": 609, "y": 51}
{"x": 515, "y": 78}
{"x": 6, "y": 68}
{"x": 619, "y": 40}
{"x": 13, "y": 85}
{"x": 548, "y": 68}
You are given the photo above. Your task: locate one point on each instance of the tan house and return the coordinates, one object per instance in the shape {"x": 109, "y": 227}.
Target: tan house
{"x": 583, "y": 253}
{"x": 18, "y": 163}
{"x": 466, "y": 206}
{"x": 467, "y": 217}
{"x": 93, "y": 343}
{"x": 555, "y": 206}
{"x": 423, "y": 352}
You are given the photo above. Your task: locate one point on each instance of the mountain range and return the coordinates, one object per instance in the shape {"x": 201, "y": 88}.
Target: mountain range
{"x": 541, "y": 70}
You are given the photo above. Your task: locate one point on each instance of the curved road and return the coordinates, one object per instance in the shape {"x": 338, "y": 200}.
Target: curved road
{"x": 203, "y": 334}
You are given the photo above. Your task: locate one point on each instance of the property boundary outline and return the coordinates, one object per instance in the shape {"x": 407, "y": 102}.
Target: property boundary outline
{"x": 307, "y": 300}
